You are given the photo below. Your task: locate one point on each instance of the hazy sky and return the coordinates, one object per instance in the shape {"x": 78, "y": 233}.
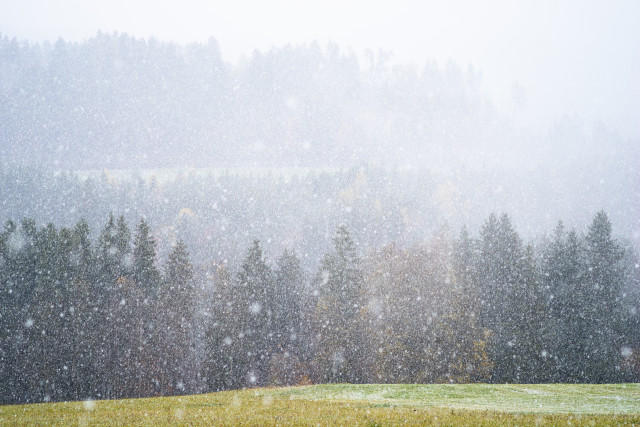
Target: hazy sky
{"x": 577, "y": 57}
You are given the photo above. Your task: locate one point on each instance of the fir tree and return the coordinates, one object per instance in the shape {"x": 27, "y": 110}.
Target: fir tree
{"x": 256, "y": 301}
{"x": 145, "y": 274}
{"x": 177, "y": 316}
{"x": 339, "y": 284}
{"x": 122, "y": 244}
{"x": 289, "y": 328}
{"x": 501, "y": 287}
{"x": 604, "y": 305}
{"x": 106, "y": 254}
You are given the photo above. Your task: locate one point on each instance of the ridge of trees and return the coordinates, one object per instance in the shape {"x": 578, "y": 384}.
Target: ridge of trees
{"x": 219, "y": 212}
{"x": 169, "y": 104}
{"x": 81, "y": 320}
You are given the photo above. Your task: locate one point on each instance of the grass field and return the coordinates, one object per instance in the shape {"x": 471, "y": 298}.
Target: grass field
{"x": 366, "y": 405}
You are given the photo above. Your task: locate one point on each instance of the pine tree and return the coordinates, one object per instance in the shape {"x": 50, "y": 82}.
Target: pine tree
{"x": 106, "y": 254}
{"x": 339, "y": 284}
{"x": 122, "y": 244}
{"x": 503, "y": 296}
{"x": 530, "y": 321}
{"x": 144, "y": 271}
{"x": 82, "y": 255}
{"x": 222, "y": 332}
{"x": 20, "y": 292}
{"x": 10, "y": 316}
{"x": 288, "y": 325}
{"x": 45, "y": 351}
{"x": 471, "y": 361}
{"x": 631, "y": 299}
{"x": 83, "y": 317}
{"x": 465, "y": 264}
{"x": 289, "y": 285}
{"x": 133, "y": 307}
{"x": 572, "y": 303}
{"x": 179, "y": 271}
{"x": 256, "y": 301}
{"x": 562, "y": 270}
{"x": 604, "y": 304}
{"x": 176, "y": 317}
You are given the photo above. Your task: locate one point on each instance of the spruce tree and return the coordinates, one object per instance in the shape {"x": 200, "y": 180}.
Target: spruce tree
{"x": 289, "y": 328}
{"x": 176, "y": 317}
{"x": 501, "y": 295}
{"x": 122, "y": 244}
{"x": 288, "y": 286}
{"x": 562, "y": 269}
{"x": 339, "y": 284}
{"x": 604, "y": 304}
{"x": 222, "y": 332}
{"x": 10, "y": 317}
{"x": 106, "y": 254}
{"x": 256, "y": 301}
{"x": 178, "y": 270}
{"x": 472, "y": 341}
{"x": 145, "y": 274}
{"x": 82, "y": 255}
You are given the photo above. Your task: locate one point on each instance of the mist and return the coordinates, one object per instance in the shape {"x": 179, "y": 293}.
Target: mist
{"x": 572, "y": 58}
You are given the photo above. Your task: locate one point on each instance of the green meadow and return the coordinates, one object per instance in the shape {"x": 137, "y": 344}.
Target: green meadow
{"x": 366, "y": 405}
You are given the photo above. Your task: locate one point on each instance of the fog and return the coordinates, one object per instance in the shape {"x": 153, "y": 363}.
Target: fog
{"x": 577, "y": 58}
{"x": 309, "y": 192}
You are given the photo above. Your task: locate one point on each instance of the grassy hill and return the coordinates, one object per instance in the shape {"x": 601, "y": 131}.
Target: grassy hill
{"x": 476, "y": 404}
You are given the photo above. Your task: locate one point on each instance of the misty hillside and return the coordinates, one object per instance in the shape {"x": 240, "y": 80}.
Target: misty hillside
{"x": 117, "y": 102}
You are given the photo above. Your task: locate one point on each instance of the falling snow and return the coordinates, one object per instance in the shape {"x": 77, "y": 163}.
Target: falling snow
{"x": 175, "y": 223}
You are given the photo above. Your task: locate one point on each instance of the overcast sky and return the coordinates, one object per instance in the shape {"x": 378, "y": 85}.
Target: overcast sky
{"x": 576, "y": 57}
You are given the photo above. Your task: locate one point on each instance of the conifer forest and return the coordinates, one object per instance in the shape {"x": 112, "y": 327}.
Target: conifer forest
{"x": 174, "y": 223}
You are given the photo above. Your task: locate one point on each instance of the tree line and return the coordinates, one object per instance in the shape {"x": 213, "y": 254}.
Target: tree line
{"x": 82, "y": 319}
{"x": 173, "y": 105}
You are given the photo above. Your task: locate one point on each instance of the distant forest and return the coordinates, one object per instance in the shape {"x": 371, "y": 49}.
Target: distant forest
{"x": 119, "y": 103}
{"x": 101, "y": 319}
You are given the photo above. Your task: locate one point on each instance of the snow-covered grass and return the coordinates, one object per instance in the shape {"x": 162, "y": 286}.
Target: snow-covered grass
{"x": 341, "y": 404}
{"x": 512, "y": 398}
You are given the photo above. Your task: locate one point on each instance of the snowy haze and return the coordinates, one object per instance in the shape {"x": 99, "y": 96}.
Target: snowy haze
{"x": 526, "y": 108}
{"x": 539, "y": 60}
{"x": 271, "y": 194}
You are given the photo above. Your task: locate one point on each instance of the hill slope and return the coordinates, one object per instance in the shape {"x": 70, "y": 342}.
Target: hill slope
{"x": 477, "y": 404}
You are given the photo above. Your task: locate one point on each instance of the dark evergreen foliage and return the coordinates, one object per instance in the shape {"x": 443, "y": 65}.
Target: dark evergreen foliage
{"x": 81, "y": 320}
{"x": 339, "y": 286}
{"x": 144, "y": 271}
